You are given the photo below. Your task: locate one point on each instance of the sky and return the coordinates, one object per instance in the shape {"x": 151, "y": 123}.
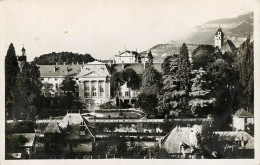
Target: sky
{"x": 102, "y": 28}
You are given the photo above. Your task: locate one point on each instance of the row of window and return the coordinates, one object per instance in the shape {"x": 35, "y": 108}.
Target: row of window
{"x": 126, "y": 93}
{"x": 94, "y": 89}
{"x": 94, "y": 94}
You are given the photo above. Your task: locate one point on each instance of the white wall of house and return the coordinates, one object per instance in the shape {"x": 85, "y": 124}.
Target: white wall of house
{"x": 124, "y": 92}
{"x": 125, "y": 59}
{"x": 55, "y": 81}
{"x": 240, "y": 123}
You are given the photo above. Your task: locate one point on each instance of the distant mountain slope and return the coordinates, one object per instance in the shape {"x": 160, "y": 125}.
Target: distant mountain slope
{"x": 63, "y": 57}
{"x": 236, "y": 29}
{"x": 160, "y": 51}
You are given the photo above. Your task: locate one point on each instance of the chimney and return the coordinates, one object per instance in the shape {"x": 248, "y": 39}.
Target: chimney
{"x": 144, "y": 64}
{"x": 64, "y": 63}
{"x": 77, "y": 63}
{"x": 54, "y": 69}
{"x": 82, "y": 128}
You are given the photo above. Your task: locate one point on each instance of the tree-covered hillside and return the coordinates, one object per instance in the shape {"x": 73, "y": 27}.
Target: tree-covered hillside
{"x": 61, "y": 57}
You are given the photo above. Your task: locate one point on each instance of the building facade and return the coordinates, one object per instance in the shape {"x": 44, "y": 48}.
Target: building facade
{"x": 130, "y": 57}
{"x": 242, "y": 119}
{"x": 92, "y": 80}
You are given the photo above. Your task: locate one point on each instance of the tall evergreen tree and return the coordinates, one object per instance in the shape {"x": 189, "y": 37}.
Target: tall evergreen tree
{"x": 174, "y": 99}
{"x": 200, "y": 100}
{"x": 11, "y": 71}
{"x": 27, "y": 92}
{"x": 151, "y": 79}
{"x": 167, "y": 102}
{"x": 184, "y": 84}
{"x": 247, "y": 72}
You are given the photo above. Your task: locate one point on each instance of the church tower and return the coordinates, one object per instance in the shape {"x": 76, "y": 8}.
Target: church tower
{"x": 219, "y": 38}
{"x": 22, "y": 59}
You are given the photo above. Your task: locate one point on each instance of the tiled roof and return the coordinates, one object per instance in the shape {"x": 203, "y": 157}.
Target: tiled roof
{"x": 74, "y": 133}
{"x": 128, "y": 53}
{"x": 243, "y": 113}
{"x": 249, "y": 140}
{"x": 52, "y": 127}
{"x": 228, "y": 46}
{"x": 95, "y": 68}
{"x": 71, "y": 118}
{"x": 137, "y": 67}
{"x": 74, "y": 120}
{"x": 61, "y": 70}
{"x": 67, "y": 70}
{"x": 29, "y": 136}
{"x": 179, "y": 136}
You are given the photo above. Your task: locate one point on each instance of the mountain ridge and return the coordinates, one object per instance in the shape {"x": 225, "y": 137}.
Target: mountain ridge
{"x": 236, "y": 29}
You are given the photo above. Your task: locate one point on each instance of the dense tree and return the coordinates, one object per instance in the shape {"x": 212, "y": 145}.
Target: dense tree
{"x": 151, "y": 79}
{"x": 202, "y": 55}
{"x": 27, "y": 92}
{"x": 184, "y": 76}
{"x": 13, "y": 145}
{"x": 246, "y": 63}
{"x": 151, "y": 84}
{"x": 148, "y": 102}
{"x": 166, "y": 97}
{"x": 116, "y": 82}
{"x": 11, "y": 68}
{"x": 68, "y": 85}
{"x": 11, "y": 71}
{"x": 200, "y": 101}
{"x": 222, "y": 78}
{"x": 213, "y": 145}
{"x": 61, "y": 57}
{"x": 176, "y": 85}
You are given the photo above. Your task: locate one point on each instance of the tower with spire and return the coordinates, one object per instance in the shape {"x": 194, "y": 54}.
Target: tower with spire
{"x": 22, "y": 59}
{"x": 219, "y": 38}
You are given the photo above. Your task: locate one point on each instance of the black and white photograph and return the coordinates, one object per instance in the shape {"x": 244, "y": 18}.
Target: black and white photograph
{"x": 119, "y": 79}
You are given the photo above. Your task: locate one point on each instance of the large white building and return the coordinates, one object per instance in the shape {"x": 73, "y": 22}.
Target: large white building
{"x": 92, "y": 80}
{"x": 130, "y": 57}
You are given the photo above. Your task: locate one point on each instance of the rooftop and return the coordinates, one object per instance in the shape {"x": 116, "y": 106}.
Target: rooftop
{"x": 219, "y": 30}
{"x": 228, "y": 46}
{"x": 243, "y": 113}
{"x": 72, "y": 122}
{"x": 52, "y": 127}
{"x": 181, "y": 136}
{"x": 94, "y": 68}
{"x": 137, "y": 67}
{"x": 72, "y": 70}
{"x": 60, "y": 70}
